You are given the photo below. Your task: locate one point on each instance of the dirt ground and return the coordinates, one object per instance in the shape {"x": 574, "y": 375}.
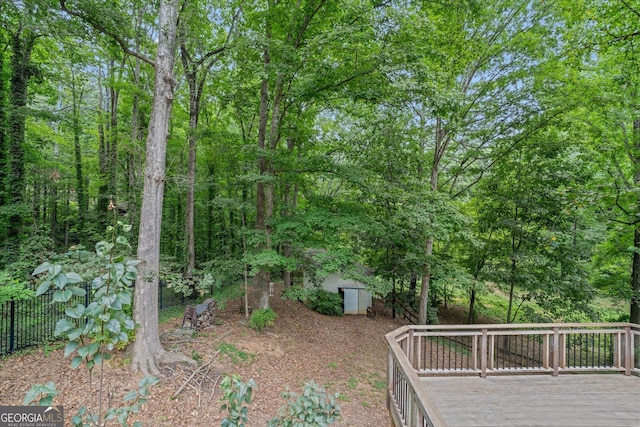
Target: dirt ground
{"x": 346, "y": 355}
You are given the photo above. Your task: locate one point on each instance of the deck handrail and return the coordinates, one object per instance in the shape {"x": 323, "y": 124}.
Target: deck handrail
{"x": 418, "y": 351}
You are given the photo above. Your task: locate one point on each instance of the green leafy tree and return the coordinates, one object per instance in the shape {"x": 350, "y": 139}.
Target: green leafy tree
{"x": 93, "y": 331}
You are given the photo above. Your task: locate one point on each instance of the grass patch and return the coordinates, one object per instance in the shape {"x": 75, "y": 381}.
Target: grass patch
{"x": 170, "y": 313}
{"x": 352, "y": 383}
{"x": 234, "y": 353}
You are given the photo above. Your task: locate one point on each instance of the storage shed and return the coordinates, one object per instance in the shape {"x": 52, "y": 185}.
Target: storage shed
{"x": 356, "y": 298}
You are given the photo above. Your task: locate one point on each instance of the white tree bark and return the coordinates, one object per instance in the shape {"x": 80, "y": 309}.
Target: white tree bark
{"x": 148, "y": 353}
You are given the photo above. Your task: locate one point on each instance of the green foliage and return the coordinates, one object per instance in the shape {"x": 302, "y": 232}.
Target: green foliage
{"x": 41, "y": 394}
{"x": 262, "y": 318}
{"x": 94, "y": 331}
{"x": 222, "y": 294}
{"x": 270, "y": 260}
{"x": 187, "y": 287}
{"x": 314, "y": 407}
{"x": 237, "y": 394}
{"x": 294, "y": 293}
{"x": 12, "y": 288}
{"x": 324, "y": 302}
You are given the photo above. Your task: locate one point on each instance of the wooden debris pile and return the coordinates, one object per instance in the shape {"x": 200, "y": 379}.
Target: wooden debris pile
{"x": 199, "y": 316}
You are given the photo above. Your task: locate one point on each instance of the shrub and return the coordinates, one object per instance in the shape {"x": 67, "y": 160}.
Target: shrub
{"x": 311, "y": 408}
{"x": 325, "y": 302}
{"x": 12, "y": 288}
{"x": 237, "y": 395}
{"x": 294, "y": 293}
{"x": 262, "y": 318}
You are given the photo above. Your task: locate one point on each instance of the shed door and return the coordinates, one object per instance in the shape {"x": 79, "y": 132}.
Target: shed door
{"x": 350, "y": 301}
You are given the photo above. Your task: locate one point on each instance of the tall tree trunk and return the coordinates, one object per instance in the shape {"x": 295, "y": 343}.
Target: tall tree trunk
{"x": 3, "y": 135}
{"x": 136, "y": 138}
{"x": 262, "y": 278}
{"x": 290, "y": 201}
{"x": 112, "y": 151}
{"x": 83, "y": 203}
{"x": 53, "y": 211}
{"x": 103, "y": 164}
{"x": 514, "y": 265}
{"x": 194, "y": 109}
{"x": 22, "y": 43}
{"x": 148, "y": 353}
{"x": 634, "y": 311}
{"x": 439, "y": 149}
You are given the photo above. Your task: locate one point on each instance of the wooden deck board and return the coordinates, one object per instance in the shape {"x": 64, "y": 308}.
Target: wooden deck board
{"x": 540, "y": 400}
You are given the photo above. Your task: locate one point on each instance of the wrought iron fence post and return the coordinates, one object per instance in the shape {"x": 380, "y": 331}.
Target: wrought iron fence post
{"x": 86, "y": 294}
{"x": 12, "y": 324}
{"x": 160, "y": 293}
{"x": 86, "y": 299}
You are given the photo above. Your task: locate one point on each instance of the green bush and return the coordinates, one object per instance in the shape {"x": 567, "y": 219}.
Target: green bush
{"x": 325, "y": 302}
{"x": 12, "y": 288}
{"x": 237, "y": 395}
{"x": 262, "y": 318}
{"x": 311, "y": 408}
{"x": 294, "y": 293}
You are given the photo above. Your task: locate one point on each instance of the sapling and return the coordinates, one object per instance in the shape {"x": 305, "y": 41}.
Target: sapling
{"x": 95, "y": 330}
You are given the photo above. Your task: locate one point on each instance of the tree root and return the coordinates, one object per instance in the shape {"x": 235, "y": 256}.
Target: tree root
{"x": 150, "y": 364}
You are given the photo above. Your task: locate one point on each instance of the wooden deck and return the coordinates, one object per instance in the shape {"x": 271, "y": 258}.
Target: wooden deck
{"x": 554, "y": 374}
{"x": 537, "y": 400}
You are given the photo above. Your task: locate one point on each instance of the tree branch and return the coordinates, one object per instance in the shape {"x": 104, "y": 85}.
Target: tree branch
{"x": 104, "y": 30}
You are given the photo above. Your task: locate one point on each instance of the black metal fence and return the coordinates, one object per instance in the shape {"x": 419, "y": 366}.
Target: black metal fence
{"x": 31, "y": 322}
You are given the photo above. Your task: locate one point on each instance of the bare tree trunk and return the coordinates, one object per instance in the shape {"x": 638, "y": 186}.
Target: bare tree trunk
{"x": 136, "y": 136}
{"x": 262, "y": 278}
{"x": 148, "y": 352}
{"x": 440, "y": 147}
{"x": 83, "y": 203}
{"x": 634, "y": 311}
{"x": 194, "y": 108}
{"x": 515, "y": 245}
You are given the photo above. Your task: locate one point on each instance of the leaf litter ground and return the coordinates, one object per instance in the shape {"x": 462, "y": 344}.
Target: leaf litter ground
{"x": 346, "y": 355}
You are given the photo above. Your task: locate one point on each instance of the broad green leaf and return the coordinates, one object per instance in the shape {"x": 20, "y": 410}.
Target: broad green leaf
{"x": 132, "y": 395}
{"x": 44, "y": 287}
{"x": 75, "y": 312}
{"x": 62, "y": 326}
{"x": 60, "y": 280}
{"x": 103, "y": 248}
{"x": 76, "y": 361}
{"x": 70, "y": 348}
{"x": 93, "y": 348}
{"x": 98, "y": 358}
{"x": 83, "y": 351}
{"x": 122, "y": 241}
{"x": 75, "y": 334}
{"x": 74, "y": 277}
{"x": 41, "y": 269}
{"x": 77, "y": 291}
{"x": 62, "y": 295}
{"x": 113, "y": 326}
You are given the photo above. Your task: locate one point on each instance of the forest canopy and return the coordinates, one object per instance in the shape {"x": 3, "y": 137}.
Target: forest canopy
{"x": 457, "y": 149}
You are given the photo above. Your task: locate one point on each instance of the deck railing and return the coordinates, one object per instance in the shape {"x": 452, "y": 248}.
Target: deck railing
{"x": 420, "y": 351}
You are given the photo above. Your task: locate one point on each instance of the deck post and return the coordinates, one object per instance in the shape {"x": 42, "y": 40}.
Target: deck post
{"x": 556, "y": 350}
{"x": 628, "y": 351}
{"x": 483, "y": 354}
{"x": 410, "y": 355}
{"x": 545, "y": 351}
